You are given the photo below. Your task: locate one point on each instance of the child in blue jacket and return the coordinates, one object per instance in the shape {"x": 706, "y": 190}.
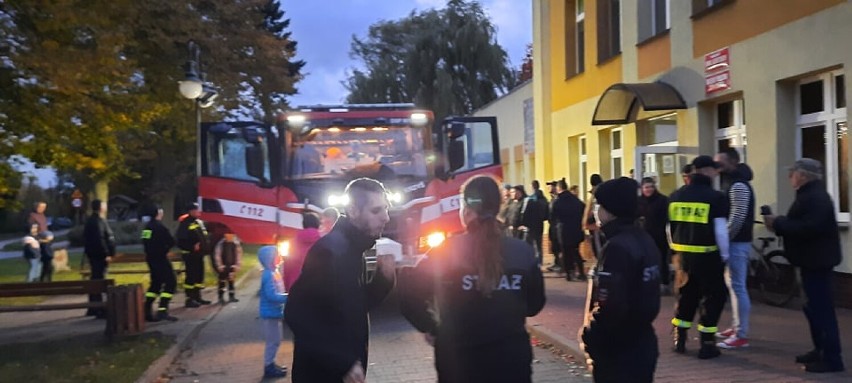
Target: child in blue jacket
{"x": 272, "y": 299}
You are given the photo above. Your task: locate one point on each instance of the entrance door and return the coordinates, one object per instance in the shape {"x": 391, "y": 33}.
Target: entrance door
{"x": 663, "y": 163}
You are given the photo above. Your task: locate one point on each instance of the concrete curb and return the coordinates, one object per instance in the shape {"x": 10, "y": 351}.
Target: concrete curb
{"x": 184, "y": 341}
{"x": 565, "y": 345}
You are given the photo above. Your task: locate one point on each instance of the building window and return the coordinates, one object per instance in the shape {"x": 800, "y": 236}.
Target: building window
{"x": 616, "y": 152}
{"x": 822, "y": 132}
{"x": 575, "y": 35}
{"x": 731, "y": 127}
{"x": 584, "y": 169}
{"x": 660, "y": 16}
{"x": 654, "y": 18}
{"x": 699, "y": 6}
{"x": 609, "y": 29}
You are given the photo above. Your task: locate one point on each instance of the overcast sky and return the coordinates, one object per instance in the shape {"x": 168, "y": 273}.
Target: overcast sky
{"x": 324, "y": 30}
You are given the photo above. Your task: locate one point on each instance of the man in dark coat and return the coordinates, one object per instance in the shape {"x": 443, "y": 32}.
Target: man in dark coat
{"x": 568, "y": 210}
{"x": 654, "y": 215}
{"x": 328, "y": 306}
{"x": 620, "y": 338}
{"x": 812, "y": 242}
{"x": 99, "y": 246}
{"x": 533, "y": 214}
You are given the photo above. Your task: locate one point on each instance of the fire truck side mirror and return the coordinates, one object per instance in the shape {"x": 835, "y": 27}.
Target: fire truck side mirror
{"x": 456, "y": 130}
{"x": 254, "y": 162}
{"x": 455, "y": 155}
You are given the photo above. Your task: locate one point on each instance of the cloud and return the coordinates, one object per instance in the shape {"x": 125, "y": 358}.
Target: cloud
{"x": 513, "y": 20}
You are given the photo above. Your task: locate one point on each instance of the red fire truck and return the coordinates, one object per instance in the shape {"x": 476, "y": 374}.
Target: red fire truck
{"x": 256, "y": 180}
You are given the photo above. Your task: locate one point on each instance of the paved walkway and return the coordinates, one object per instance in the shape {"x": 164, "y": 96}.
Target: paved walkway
{"x": 230, "y": 349}
{"x": 777, "y": 335}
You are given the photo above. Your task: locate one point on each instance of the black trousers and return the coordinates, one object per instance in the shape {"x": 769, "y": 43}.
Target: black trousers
{"x": 704, "y": 288}
{"x": 226, "y": 280}
{"x": 819, "y": 309}
{"x": 163, "y": 278}
{"x": 571, "y": 259}
{"x": 309, "y": 368}
{"x": 46, "y": 270}
{"x": 535, "y": 236}
{"x": 663, "y": 247}
{"x": 508, "y": 361}
{"x": 194, "y": 272}
{"x": 628, "y": 360}
{"x": 99, "y": 269}
{"x": 555, "y": 249}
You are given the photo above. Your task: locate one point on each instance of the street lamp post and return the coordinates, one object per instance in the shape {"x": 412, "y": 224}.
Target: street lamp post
{"x": 194, "y": 88}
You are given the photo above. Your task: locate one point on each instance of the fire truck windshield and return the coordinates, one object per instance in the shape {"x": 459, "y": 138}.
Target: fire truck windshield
{"x": 330, "y": 152}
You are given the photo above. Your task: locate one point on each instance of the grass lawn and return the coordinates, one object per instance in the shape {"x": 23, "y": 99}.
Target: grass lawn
{"x": 15, "y": 269}
{"x": 83, "y": 358}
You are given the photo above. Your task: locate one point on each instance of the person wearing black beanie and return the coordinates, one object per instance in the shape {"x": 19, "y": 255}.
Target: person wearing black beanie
{"x": 620, "y": 338}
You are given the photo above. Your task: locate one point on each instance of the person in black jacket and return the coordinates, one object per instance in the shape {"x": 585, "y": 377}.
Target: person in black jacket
{"x": 471, "y": 296}
{"x": 328, "y": 306}
{"x": 654, "y": 215}
{"x": 157, "y": 242}
{"x": 812, "y": 242}
{"x": 553, "y": 229}
{"x": 533, "y": 214}
{"x": 620, "y": 338}
{"x": 516, "y": 209}
{"x": 568, "y": 210}
{"x": 99, "y": 246}
{"x": 193, "y": 241}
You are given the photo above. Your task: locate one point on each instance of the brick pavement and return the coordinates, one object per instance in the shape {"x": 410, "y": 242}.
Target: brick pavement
{"x": 777, "y": 335}
{"x": 230, "y": 347}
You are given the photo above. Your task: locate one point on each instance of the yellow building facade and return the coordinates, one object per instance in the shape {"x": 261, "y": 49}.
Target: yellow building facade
{"x": 648, "y": 84}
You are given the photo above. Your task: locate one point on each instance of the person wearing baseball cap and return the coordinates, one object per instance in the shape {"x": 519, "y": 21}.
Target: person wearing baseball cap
{"x": 698, "y": 227}
{"x": 812, "y": 243}
{"x": 193, "y": 241}
{"x": 620, "y": 337}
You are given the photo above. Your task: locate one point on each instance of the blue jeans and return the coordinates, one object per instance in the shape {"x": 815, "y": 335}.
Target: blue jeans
{"x": 34, "y": 273}
{"x": 735, "y": 278}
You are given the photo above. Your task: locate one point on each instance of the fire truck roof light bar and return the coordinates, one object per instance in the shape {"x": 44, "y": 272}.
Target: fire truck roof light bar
{"x": 351, "y": 107}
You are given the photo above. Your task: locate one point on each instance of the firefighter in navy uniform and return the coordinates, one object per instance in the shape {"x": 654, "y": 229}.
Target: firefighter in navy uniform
{"x": 471, "y": 296}
{"x": 698, "y": 232}
{"x": 192, "y": 239}
{"x": 158, "y": 241}
{"x": 620, "y": 337}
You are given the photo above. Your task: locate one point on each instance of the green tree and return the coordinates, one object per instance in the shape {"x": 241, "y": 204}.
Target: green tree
{"x": 446, "y": 60}
{"x": 76, "y": 96}
{"x": 92, "y": 85}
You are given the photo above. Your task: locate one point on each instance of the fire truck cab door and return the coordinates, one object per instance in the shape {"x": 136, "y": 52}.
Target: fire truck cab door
{"x": 470, "y": 143}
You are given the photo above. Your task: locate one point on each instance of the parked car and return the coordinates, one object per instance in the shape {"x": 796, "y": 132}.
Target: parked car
{"x": 59, "y": 223}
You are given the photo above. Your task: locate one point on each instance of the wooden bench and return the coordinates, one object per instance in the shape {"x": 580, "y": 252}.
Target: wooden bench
{"x": 126, "y": 258}
{"x": 39, "y": 289}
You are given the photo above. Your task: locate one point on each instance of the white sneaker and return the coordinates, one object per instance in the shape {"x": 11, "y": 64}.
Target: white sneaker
{"x": 732, "y": 343}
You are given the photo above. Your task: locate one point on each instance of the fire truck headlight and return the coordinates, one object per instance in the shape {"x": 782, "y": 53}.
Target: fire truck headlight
{"x": 284, "y": 248}
{"x": 296, "y": 120}
{"x": 419, "y": 118}
{"x": 395, "y": 197}
{"x": 435, "y": 239}
{"x": 338, "y": 200}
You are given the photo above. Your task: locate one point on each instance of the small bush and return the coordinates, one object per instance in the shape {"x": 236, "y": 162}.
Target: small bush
{"x": 126, "y": 233}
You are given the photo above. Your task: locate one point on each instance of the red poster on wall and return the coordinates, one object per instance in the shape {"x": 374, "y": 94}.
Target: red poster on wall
{"x": 717, "y": 60}
{"x": 717, "y": 82}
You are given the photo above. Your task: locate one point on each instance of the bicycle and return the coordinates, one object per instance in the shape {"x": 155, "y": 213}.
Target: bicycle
{"x": 775, "y": 278}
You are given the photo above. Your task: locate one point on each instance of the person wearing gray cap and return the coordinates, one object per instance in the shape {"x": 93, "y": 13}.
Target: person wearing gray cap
{"x": 812, "y": 243}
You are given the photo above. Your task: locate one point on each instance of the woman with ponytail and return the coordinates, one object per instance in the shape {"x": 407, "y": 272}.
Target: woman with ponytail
{"x": 471, "y": 295}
